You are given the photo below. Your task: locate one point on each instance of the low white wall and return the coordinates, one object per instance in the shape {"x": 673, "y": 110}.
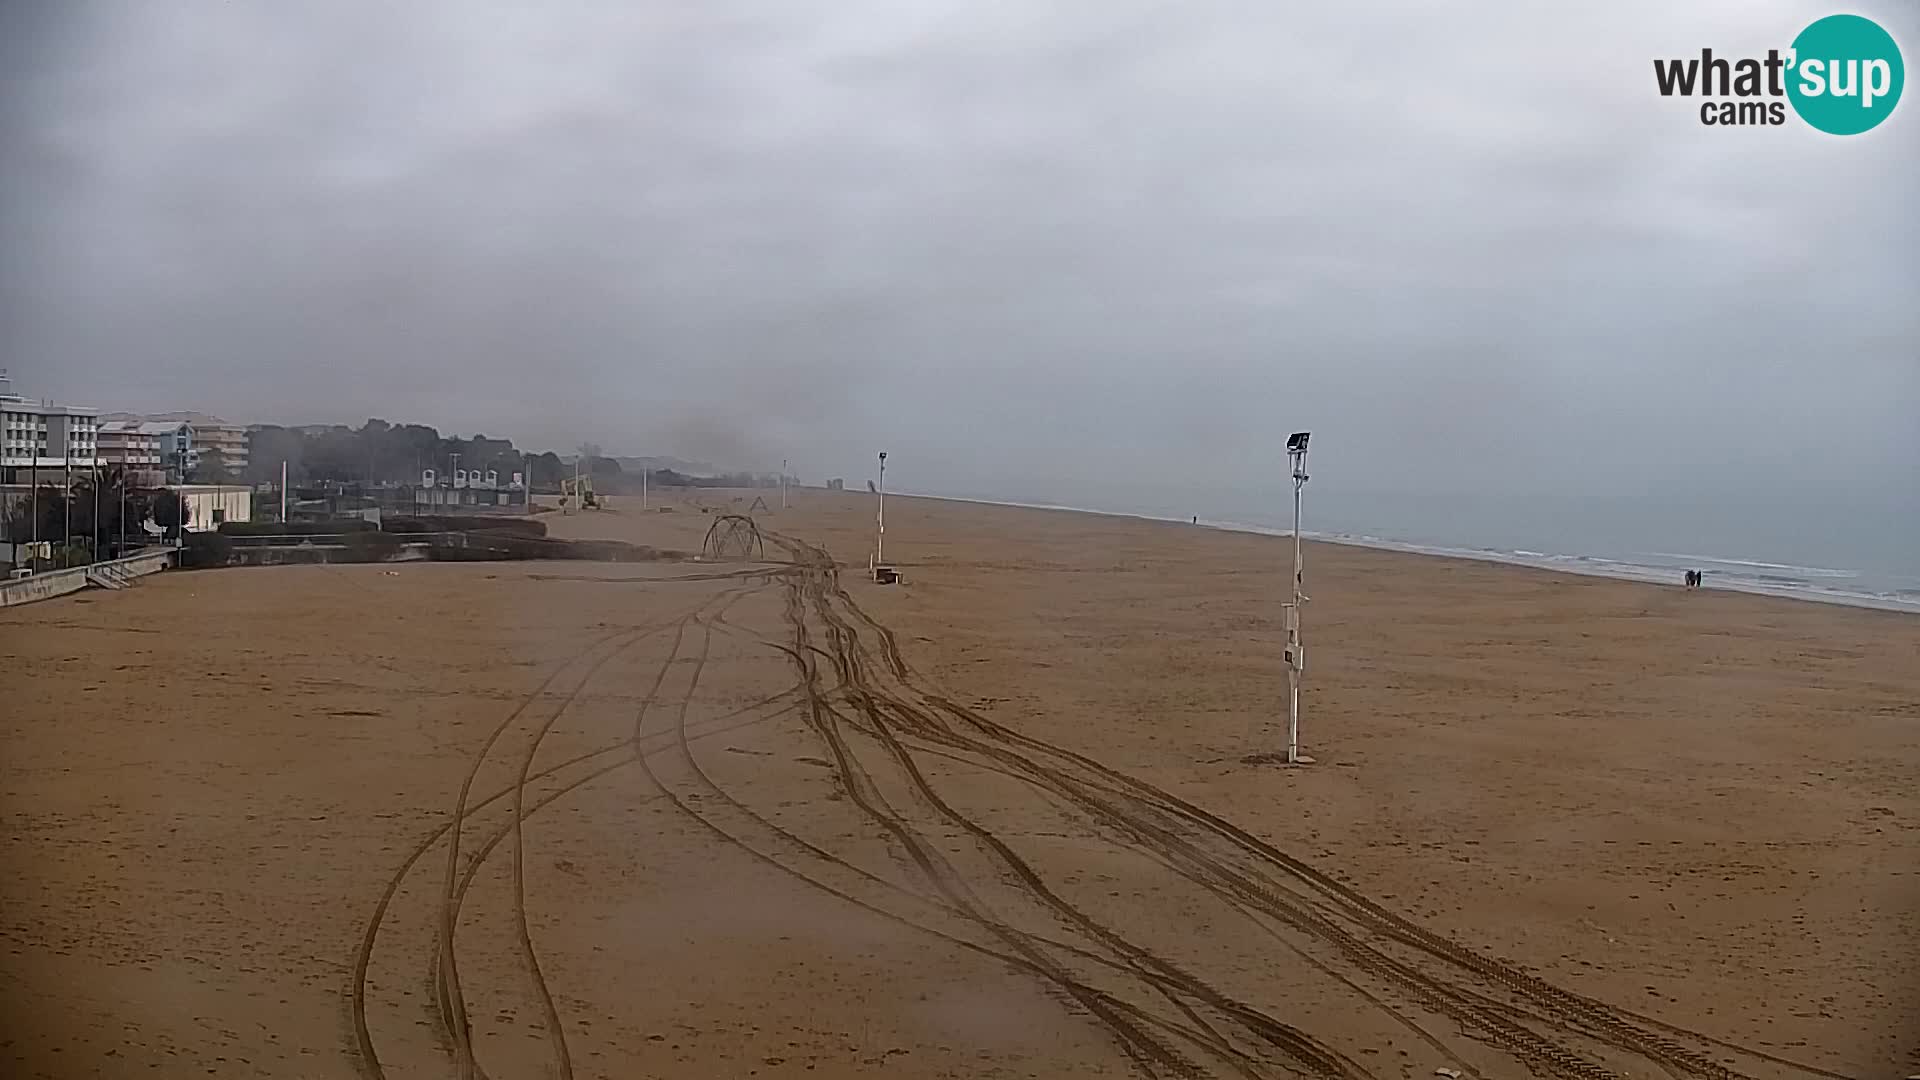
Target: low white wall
{"x": 61, "y": 582}
{"x": 42, "y": 586}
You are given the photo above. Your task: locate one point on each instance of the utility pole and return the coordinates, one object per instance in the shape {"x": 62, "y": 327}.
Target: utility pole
{"x": 33, "y": 484}
{"x": 96, "y": 506}
{"x": 783, "y": 483}
{"x": 880, "y": 514}
{"x": 1296, "y": 656}
{"x": 283, "y": 491}
{"x": 643, "y": 488}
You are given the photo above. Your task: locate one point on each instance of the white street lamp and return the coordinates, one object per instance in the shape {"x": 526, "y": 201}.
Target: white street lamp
{"x": 1296, "y": 656}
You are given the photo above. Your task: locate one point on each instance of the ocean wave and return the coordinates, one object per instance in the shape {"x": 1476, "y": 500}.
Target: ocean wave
{"x": 1815, "y": 571}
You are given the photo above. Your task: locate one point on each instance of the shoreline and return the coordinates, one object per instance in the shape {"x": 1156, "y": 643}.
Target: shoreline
{"x": 1551, "y": 562}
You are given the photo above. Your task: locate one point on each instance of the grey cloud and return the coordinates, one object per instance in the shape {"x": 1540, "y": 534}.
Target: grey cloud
{"x": 1021, "y": 246}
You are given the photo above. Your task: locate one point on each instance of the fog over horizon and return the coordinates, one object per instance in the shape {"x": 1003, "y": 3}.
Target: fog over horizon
{"x": 1046, "y": 253}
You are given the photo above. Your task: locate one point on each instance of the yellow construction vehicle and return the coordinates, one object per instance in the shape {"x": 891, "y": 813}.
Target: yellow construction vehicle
{"x": 578, "y": 491}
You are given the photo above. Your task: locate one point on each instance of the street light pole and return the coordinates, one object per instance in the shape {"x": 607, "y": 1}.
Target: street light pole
{"x": 783, "y": 483}
{"x": 33, "y": 487}
{"x": 880, "y": 515}
{"x": 1295, "y": 656}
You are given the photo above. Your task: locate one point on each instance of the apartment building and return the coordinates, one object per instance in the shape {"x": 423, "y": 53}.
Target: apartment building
{"x": 191, "y": 442}
{"x": 216, "y": 436}
{"x": 39, "y": 439}
{"x": 135, "y": 446}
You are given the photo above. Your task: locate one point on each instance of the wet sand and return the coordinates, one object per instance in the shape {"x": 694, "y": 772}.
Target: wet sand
{"x": 1557, "y": 824}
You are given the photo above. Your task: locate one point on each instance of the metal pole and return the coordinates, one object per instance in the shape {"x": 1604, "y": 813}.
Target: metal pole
{"x": 283, "y": 491}
{"x": 66, "y": 496}
{"x": 96, "y": 506}
{"x": 783, "y": 483}
{"x": 880, "y": 514}
{"x": 643, "y": 488}
{"x": 1293, "y": 643}
{"x": 123, "y": 510}
{"x": 1296, "y": 659}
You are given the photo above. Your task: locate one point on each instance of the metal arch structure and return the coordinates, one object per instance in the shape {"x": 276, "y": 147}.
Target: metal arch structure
{"x": 733, "y": 537}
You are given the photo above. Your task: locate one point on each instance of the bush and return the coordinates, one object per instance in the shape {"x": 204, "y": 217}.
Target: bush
{"x": 205, "y": 549}
{"x": 298, "y": 528}
{"x": 521, "y": 526}
{"x": 372, "y": 545}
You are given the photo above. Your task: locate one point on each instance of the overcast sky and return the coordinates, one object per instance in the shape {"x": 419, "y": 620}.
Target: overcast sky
{"x": 1026, "y": 247}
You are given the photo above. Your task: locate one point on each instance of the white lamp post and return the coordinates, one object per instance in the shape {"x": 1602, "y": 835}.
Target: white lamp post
{"x": 880, "y": 515}
{"x": 1296, "y": 656}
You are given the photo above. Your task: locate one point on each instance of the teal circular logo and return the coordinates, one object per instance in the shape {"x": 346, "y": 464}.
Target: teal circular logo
{"x": 1846, "y": 75}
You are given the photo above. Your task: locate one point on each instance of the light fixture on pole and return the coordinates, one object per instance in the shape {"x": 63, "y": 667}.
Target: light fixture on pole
{"x": 1296, "y": 656}
{"x": 881, "y": 573}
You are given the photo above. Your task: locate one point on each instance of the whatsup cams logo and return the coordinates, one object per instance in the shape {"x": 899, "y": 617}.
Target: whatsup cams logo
{"x": 1843, "y": 75}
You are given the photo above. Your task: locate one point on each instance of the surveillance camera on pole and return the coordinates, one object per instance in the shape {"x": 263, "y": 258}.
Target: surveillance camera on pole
{"x": 1296, "y": 656}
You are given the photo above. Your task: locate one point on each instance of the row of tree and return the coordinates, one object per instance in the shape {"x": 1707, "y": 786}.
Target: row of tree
{"x": 378, "y": 453}
{"x": 373, "y": 453}
{"x": 108, "y": 507}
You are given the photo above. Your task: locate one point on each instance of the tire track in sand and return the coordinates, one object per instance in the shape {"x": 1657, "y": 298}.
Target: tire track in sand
{"x": 1250, "y": 886}
{"x": 369, "y": 1062}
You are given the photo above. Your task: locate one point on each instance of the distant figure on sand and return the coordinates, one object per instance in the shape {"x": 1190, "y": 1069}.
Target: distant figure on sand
{"x": 1693, "y": 579}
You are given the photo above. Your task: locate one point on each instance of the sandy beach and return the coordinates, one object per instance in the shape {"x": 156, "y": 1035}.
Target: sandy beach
{"x": 770, "y": 819}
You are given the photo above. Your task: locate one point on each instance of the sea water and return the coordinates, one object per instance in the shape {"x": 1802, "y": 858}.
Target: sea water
{"x": 1858, "y": 551}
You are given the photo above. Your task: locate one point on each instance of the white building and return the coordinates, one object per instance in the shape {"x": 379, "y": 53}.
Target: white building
{"x": 43, "y": 440}
{"x": 210, "y": 506}
{"x": 191, "y": 441}
{"x": 214, "y": 436}
{"x": 135, "y": 447}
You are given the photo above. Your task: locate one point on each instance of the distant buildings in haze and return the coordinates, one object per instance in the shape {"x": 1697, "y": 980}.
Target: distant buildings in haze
{"x": 192, "y": 445}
